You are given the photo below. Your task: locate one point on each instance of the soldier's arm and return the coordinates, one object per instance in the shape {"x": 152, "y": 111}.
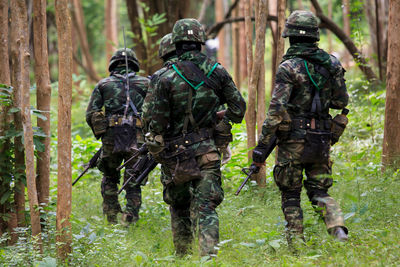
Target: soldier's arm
{"x": 234, "y": 100}
{"x": 156, "y": 107}
{"x": 340, "y": 98}
{"x": 95, "y": 105}
{"x": 277, "y": 111}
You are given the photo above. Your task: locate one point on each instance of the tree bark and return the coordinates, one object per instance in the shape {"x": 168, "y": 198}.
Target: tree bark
{"x": 203, "y": 9}
{"x": 346, "y": 28}
{"x": 329, "y": 33}
{"x": 63, "y": 224}
{"x": 251, "y": 103}
{"x": 43, "y": 97}
{"x": 22, "y": 46}
{"x": 300, "y": 4}
{"x": 391, "y": 139}
{"x": 219, "y": 16}
{"x": 111, "y": 17}
{"x": 273, "y": 25}
{"x": 357, "y": 55}
{"x": 16, "y": 81}
{"x": 236, "y": 56}
{"x": 79, "y": 23}
{"x": 242, "y": 45}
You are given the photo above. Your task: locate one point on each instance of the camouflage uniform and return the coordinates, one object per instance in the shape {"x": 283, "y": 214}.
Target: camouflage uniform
{"x": 292, "y": 99}
{"x": 110, "y": 93}
{"x": 192, "y": 204}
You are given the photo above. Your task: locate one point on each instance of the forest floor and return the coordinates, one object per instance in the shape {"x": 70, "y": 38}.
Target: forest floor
{"x": 251, "y": 224}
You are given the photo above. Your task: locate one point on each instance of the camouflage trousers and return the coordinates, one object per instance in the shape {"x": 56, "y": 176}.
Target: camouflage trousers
{"x": 193, "y": 204}
{"x": 108, "y": 164}
{"x": 288, "y": 175}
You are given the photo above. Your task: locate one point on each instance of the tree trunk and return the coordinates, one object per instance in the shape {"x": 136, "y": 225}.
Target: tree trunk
{"x": 391, "y": 139}
{"x": 280, "y": 49}
{"x": 219, "y": 16}
{"x": 300, "y": 5}
{"x": 251, "y": 103}
{"x": 16, "y": 81}
{"x": 273, "y": 10}
{"x": 43, "y": 97}
{"x": 357, "y": 55}
{"x": 63, "y": 225}
{"x": 203, "y": 9}
{"x": 79, "y": 23}
{"x": 242, "y": 45}
{"x": 346, "y": 28}
{"x": 23, "y": 84}
{"x": 329, "y": 33}
{"x": 111, "y": 18}
{"x": 236, "y": 56}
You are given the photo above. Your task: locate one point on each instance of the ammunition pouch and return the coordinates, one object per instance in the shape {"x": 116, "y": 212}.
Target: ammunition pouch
{"x": 316, "y": 147}
{"x": 305, "y": 123}
{"x": 124, "y": 133}
{"x": 222, "y": 134}
{"x": 337, "y": 130}
{"x": 99, "y": 124}
{"x": 180, "y": 158}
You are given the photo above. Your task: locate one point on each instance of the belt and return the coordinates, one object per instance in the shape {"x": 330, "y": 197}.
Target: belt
{"x": 190, "y": 138}
{"x": 304, "y": 123}
{"x": 116, "y": 120}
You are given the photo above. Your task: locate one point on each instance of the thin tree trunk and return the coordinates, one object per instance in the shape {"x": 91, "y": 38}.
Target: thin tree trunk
{"x": 242, "y": 45}
{"x": 43, "y": 97}
{"x": 16, "y": 81}
{"x": 251, "y": 105}
{"x": 300, "y": 5}
{"x": 22, "y": 46}
{"x": 391, "y": 139}
{"x": 139, "y": 45}
{"x": 79, "y": 23}
{"x": 203, "y": 9}
{"x": 346, "y": 28}
{"x": 236, "y": 56}
{"x": 280, "y": 50}
{"x": 329, "y": 33}
{"x": 219, "y": 16}
{"x": 379, "y": 39}
{"x": 273, "y": 10}
{"x": 357, "y": 55}
{"x": 63, "y": 224}
{"x": 111, "y": 18}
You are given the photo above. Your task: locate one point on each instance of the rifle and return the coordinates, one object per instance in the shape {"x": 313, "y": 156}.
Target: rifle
{"x": 141, "y": 151}
{"x": 90, "y": 165}
{"x": 253, "y": 168}
{"x": 140, "y": 170}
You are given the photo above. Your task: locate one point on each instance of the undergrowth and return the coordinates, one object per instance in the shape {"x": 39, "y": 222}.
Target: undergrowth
{"x": 251, "y": 224}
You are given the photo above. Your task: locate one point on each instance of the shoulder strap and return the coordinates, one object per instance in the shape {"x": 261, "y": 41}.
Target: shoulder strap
{"x": 125, "y": 79}
{"x": 196, "y": 71}
{"x": 316, "y": 103}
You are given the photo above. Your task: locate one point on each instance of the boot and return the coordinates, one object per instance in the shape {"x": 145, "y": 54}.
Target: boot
{"x": 339, "y": 234}
{"x": 112, "y": 218}
{"x": 128, "y": 219}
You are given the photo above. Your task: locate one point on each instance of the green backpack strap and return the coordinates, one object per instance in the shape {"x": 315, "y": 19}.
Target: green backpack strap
{"x": 188, "y": 82}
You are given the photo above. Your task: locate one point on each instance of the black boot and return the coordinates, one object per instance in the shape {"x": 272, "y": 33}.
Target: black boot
{"x": 339, "y": 233}
{"x": 128, "y": 219}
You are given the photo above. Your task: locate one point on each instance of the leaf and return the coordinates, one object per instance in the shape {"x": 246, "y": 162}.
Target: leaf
{"x": 47, "y": 262}
{"x": 275, "y": 243}
{"x": 14, "y": 110}
{"x": 40, "y": 116}
{"x": 5, "y": 197}
{"x": 349, "y": 215}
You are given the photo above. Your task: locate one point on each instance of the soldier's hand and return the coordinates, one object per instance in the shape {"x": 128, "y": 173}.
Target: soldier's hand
{"x": 259, "y": 153}
{"x": 255, "y": 168}
{"x": 226, "y": 155}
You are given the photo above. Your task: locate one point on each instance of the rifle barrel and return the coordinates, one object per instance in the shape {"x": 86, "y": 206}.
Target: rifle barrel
{"x": 244, "y": 182}
{"x": 83, "y": 173}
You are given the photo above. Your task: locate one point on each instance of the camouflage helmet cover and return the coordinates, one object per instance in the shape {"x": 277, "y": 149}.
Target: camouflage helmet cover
{"x": 166, "y": 46}
{"x": 188, "y": 30}
{"x": 301, "y": 23}
{"x": 119, "y": 56}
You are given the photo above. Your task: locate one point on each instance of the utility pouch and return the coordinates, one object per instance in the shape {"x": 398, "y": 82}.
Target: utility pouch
{"x": 222, "y": 134}
{"x": 183, "y": 165}
{"x": 316, "y": 147}
{"x": 124, "y": 138}
{"x": 99, "y": 123}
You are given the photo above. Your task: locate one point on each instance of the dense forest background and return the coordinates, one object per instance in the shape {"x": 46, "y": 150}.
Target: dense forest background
{"x": 52, "y": 53}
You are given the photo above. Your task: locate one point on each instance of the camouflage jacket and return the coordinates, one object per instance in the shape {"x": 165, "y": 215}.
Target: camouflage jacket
{"x": 294, "y": 91}
{"x": 110, "y": 93}
{"x": 164, "y": 107}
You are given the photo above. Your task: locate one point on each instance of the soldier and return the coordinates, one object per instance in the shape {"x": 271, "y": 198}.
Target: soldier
{"x": 308, "y": 83}
{"x": 180, "y": 120}
{"x": 119, "y": 128}
{"x": 167, "y": 50}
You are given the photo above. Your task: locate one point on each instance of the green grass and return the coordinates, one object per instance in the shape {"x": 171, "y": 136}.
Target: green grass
{"x": 251, "y": 224}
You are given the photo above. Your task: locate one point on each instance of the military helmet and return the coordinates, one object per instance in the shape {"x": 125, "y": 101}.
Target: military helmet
{"x": 119, "y": 56}
{"x": 188, "y": 30}
{"x": 166, "y": 46}
{"x": 301, "y": 23}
